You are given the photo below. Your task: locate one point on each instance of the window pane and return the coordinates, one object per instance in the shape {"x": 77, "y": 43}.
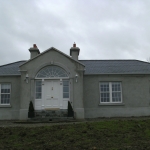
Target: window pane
{"x": 7, "y": 101}
{"x": 116, "y": 86}
{"x": 116, "y": 92}
{"x": 38, "y": 95}
{"x": 5, "y": 98}
{"x": 66, "y": 83}
{"x": 38, "y": 88}
{"x": 38, "y": 83}
{"x": 52, "y": 71}
{"x": 66, "y": 89}
{"x": 65, "y": 95}
{"x": 104, "y": 87}
{"x": 116, "y": 97}
{"x": 105, "y": 97}
{"x": 5, "y": 88}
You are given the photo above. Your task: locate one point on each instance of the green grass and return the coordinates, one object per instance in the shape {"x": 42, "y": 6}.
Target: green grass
{"x": 104, "y": 135}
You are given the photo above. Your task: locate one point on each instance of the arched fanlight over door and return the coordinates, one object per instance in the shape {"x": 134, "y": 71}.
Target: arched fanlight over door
{"x": 51, "y": 72}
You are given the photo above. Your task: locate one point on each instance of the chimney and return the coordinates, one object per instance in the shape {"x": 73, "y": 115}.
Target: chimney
{"x": 74, "y": 52}
{"x": 34, "y": 51}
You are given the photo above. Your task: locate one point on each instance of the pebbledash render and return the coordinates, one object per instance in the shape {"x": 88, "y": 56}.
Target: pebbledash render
{"x": 95, "y": 88}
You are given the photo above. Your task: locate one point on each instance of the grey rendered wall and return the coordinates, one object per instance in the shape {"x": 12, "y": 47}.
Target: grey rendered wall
{"x": 11, "y": 112}
{"x": 52, "y": 57}
{"x": 135, "y": 94}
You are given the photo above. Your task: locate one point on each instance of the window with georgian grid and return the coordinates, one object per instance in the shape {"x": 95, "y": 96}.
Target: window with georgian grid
{"x": 110, "y": 92}
{"x": 5, "y": 92}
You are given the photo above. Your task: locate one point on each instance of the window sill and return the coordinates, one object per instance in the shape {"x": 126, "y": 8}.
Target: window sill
{"x": 111, "y": 104}
{"x": 5, "y": 106}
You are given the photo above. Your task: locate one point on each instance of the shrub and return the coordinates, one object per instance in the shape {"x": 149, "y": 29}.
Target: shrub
{"x": 31, "y": 108}
{"x": 31, "y": 113}
{"x": 70, "y": 110}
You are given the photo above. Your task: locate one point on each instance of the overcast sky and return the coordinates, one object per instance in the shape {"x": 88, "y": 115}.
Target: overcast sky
{"x": 102, "y": 29}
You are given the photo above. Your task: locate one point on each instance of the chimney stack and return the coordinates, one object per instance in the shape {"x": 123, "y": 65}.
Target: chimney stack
{"x": 34, "y": 51}
{"x": 74, "y": 52}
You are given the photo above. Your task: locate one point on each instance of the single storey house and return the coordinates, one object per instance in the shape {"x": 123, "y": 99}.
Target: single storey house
{"x": 95, "y": 88}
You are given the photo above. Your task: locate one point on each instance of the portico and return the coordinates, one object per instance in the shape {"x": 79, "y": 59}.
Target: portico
{"x": 51, "y": 88}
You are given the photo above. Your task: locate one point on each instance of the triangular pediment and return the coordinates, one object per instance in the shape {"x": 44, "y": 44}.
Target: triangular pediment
{"x": 48, "y": 50}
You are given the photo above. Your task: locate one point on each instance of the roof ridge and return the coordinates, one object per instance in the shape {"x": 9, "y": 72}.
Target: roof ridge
{"x": 13, "y": 63}
{"x": 119, "y": 60}
{"x": 143, "y": 61}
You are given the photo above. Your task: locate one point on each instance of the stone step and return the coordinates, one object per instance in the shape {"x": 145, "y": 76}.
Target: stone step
{"x": 57, "y": 119}
{"x": 51, "y": 113}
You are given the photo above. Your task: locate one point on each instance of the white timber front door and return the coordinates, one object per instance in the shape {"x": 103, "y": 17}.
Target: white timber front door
{"x": 52, "y": 94}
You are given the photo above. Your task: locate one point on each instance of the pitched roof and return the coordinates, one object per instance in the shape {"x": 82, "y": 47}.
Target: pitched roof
{"x": 11, "y": 69}
{"x": 116, "y": 67}
{"x": 93, "y": 67}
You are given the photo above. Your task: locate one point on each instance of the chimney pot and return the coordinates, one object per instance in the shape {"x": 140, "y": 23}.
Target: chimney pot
{"x": 74, "y": 45}
{"x": 34, "y": 46}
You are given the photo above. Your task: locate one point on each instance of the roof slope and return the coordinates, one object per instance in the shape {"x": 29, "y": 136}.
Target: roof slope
{"x": 116, "y": 67}
{"x": 11, "y": 69}
{"x": 93, "y": 67}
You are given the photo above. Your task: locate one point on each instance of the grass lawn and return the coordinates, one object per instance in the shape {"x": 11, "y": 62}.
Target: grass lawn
{"x": 104, "y": 135}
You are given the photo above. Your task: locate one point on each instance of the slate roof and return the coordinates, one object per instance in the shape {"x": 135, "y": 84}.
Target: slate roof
{"x": 116, "y": 67}
{"x": 11, "y": 69}
{"x": 93, "y": 67}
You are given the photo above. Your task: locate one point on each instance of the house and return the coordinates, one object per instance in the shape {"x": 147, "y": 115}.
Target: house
{"x": 95, "y": 88}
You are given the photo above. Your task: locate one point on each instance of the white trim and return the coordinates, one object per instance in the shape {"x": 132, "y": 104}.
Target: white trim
{"x": 110, "y": 92}
{"x": 5, "y": 105}
{"x": 55, "y": 78}
{"x": 111, "y": 104}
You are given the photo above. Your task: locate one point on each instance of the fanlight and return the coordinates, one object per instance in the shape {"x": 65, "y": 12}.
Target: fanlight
{"x": 51, "y": 72}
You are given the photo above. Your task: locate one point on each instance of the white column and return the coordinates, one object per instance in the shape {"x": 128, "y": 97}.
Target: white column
{"x": 61, "y": 93}
{"x": 43, "y": 92}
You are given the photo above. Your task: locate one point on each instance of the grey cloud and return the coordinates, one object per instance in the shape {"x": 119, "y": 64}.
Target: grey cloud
{"x": 102, "y": 29}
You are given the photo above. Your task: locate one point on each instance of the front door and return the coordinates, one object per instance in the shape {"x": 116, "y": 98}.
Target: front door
{"x": 52, "y": 94}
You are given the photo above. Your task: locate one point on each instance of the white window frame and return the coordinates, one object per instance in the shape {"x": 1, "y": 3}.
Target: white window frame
{"x": 110, "y": 91}
{"x": 6, "y": 93}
